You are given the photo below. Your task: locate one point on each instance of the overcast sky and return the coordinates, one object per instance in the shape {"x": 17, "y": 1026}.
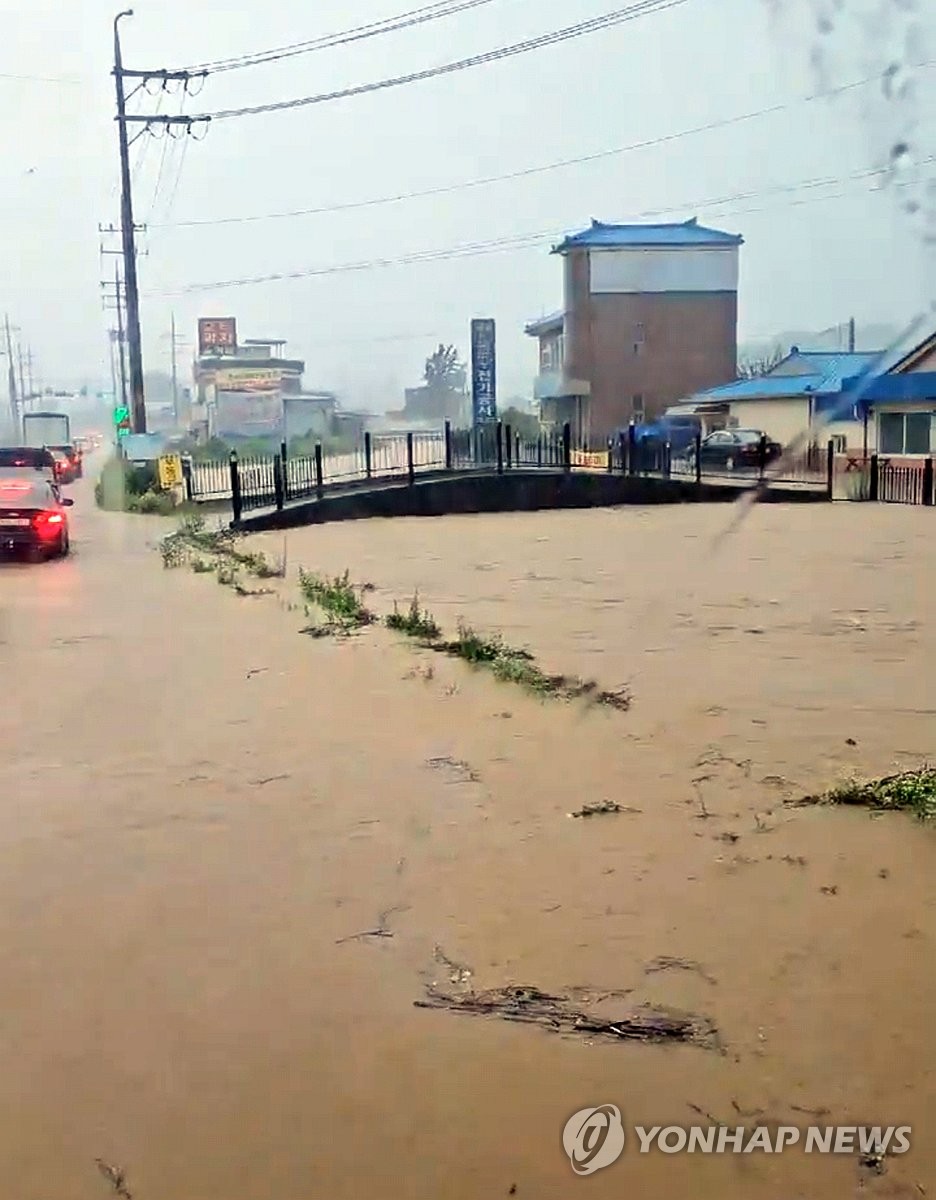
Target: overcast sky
{"x": 814, "y": 254}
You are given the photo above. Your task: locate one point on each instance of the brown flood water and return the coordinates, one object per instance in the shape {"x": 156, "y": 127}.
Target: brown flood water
{"x": 199, "y": 805}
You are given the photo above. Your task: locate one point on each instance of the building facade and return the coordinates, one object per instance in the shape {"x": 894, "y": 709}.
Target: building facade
{"x": 650, "y": 315}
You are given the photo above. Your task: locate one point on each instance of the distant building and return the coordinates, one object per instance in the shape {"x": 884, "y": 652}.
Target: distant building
{"x": 650, "y": 315}
{"x": 802, "y": 389}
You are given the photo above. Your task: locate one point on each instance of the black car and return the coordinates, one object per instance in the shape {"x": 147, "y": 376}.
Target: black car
{"x": 738, "y": 450}
{"x": 38, "y": 458}
{"x": 33, "y": 516}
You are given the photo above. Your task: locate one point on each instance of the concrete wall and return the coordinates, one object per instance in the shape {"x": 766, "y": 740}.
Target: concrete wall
{"x": 786, "y": 419}
{"x": 639, "y": 270}
{"x": 511, "y": 492}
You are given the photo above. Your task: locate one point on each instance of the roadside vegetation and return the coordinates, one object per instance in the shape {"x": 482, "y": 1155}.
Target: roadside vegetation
{"x": 490, "y": 652}
{"x": 215, "y": 551}
{"x": 122, "y": 487}
{"x": 906, "y": 791}
{"x": 337, "y": 607}
{"x": 340, "y": 602}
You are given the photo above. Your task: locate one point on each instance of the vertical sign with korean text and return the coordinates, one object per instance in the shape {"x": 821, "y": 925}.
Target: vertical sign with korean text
{"x": 483, "y": 371}
{"x": 217, "y": 335}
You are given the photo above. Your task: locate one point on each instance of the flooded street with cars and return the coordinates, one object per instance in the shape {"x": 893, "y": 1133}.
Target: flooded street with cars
{"x": 237, "y": 860}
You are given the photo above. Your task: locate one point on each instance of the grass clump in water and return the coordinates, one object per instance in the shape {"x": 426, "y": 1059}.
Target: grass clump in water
{"x": 338, "y": 599}
{"x": 907, "y": 791}
{"x": 512, "y": 665}
{"x": 416, "y": 622}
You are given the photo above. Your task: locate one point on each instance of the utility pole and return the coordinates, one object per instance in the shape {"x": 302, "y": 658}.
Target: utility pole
{"x": 120, "y": 345}
{"x": 134, "y": 340}
{"x": 175, "y": 377}
{"x": 851, "y": 335}
{"x": 22, "y": 378}
{"x": 138, "y": 403}
{"x": 11, "y": 377}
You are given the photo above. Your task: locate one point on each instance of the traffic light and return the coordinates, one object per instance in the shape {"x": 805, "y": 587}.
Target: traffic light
{"x": 122, "y": 420}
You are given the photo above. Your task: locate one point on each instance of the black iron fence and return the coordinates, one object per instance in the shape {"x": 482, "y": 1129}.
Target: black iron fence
{"x": 276, "y": 480}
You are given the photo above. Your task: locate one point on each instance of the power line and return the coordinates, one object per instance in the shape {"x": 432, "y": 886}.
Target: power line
{"x": 618, "y": 16}
{"x": 524, "y": 241}
{"x": 66, "y": 80}
{"x": 526, "y": 172}
{"x": 419, "y": 16}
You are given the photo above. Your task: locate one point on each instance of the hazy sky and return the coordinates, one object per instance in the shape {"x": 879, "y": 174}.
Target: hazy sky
{"x": 815, "y": 253}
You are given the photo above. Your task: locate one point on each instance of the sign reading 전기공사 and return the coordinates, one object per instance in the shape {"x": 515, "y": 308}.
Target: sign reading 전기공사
{"x": 483, "y": 370}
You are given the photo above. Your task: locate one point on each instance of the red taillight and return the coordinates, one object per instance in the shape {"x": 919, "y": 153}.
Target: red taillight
{"x": 48, "y": 524}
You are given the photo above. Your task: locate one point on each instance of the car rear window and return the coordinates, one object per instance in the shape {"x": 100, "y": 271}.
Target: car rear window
{"x": 24, "y": 456}
{"x": 24, "y": 493}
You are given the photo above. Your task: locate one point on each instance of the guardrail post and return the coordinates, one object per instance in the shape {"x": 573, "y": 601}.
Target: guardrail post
{"x": 278, "y": 482}
{"x": 410, "y": 462}
{"x": 319, "y": 472}
{"x": 632, "y": 449}
{"x": 830, "y": 467}
{"x": 499, "y": 438}
{"x": 698, "y": 458}
{"x": 236, "y": 504}
{"x": 284, "y": 455}
{"x": 539, "y": 450}
{"x": 610, "y": 455}
{"x": 667, "y": 460}
{"x": 368, "y": 454}
{"x": 508, "y": 445}
{"x": 874, "y": 482}
{"x": 448, "y": 445}
{"x": 928, "y": 481}
{"x": 567, "y": 447}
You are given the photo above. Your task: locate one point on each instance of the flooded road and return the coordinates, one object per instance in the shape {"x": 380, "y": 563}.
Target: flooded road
{"x": 203, "y": 809}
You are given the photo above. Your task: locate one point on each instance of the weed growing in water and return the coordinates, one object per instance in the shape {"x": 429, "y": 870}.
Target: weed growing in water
{"x": 415, "y": 622}
{"x": 512, "y": 665}
{"x": 338, "y": 599}
{"x": 909, "y": 791}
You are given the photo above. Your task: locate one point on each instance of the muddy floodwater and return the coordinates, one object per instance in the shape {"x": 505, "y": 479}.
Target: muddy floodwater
{"x": 232, "y": 857}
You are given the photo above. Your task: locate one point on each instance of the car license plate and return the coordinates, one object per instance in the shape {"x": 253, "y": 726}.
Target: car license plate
{"x": 18, "y": 523}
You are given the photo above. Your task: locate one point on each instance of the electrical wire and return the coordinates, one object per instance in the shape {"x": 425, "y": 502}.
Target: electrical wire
{"x": 526, "y": 172}
{"x": 524, "y": 241}
{"x": 609, "y": 20}
{"x": 419, "y": 16}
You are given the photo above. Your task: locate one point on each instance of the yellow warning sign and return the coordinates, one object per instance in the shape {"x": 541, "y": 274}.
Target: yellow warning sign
{"x": 590, "y": 458}
{"x": 170, "y": 471}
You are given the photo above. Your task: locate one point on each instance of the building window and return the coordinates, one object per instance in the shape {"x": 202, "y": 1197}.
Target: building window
{"x": 905, "y": 433}
{"x": 638, "y": 407}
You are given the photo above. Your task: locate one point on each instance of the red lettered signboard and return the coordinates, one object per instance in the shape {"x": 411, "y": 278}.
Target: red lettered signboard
{"x": 217, "y": 335}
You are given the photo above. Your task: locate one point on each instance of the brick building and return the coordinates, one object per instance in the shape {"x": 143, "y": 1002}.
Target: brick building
{"x": 650, "y": 315}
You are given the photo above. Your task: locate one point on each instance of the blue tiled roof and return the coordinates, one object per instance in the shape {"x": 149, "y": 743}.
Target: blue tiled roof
{"x": 919, "y": 385}
{"x": 838, "y": 363}
{"x": 689, "y": 233}
{"x": 767, "y": 387}
{"x": 554, "y": 321}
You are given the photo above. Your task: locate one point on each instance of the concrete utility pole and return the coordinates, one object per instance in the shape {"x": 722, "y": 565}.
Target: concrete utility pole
{"x": 135, "y": 346}
{"x": 134, "y": 340}
{"x": 851, "y": 335}
{"x": 22, "y": 376}
{"x": 11, "y": 378}
{"x": 120, "y": 347}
